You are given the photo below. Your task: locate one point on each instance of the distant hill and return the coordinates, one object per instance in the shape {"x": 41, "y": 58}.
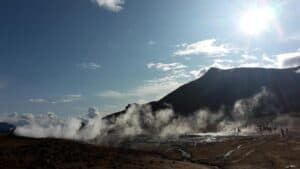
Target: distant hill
{"x": 223, "y": 88}
{"x": 6, "y": 127}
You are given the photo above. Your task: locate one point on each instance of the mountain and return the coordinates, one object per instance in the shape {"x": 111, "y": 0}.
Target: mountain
{"x": 221, "y": 89}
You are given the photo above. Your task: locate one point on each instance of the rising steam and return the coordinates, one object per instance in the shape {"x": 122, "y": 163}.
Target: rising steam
{"x": 141, "y": 120}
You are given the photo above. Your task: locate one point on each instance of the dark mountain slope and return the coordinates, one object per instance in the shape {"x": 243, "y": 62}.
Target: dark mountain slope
{"x": 223, "y": 88}
{"x": 219, "y": 88}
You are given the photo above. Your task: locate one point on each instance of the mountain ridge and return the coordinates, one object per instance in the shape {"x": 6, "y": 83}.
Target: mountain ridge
{"x": 222, "y": 88}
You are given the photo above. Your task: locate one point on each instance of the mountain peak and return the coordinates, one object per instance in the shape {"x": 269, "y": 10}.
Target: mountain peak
{"x": 214, "y": 69}
{"x": 220, "y": 89}
{"x": 223, "y": 87}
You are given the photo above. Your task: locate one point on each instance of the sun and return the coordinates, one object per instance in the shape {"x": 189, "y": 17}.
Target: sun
{"x": 257, "y": 21}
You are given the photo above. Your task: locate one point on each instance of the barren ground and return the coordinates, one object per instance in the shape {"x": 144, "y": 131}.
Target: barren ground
{"x": 263, "y": 152}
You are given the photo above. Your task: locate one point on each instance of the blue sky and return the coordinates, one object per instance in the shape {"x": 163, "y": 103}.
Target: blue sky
{"x": 64, "y": 56}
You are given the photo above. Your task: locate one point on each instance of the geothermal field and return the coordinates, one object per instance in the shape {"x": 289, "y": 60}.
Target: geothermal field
{"x": 254, "y": 128}
{"x": 149, "y": 84}
{"x": 199, "y": 152}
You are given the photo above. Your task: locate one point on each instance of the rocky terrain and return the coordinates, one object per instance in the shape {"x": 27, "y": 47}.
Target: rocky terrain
{"x": 256, "y": 152}
{"x": 26, "y": 153}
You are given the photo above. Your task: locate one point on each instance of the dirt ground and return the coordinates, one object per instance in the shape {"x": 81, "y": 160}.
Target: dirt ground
{"x": 263, "y": 152}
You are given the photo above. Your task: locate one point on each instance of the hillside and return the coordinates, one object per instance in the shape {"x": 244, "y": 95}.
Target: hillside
{"x": 220, "y": 89}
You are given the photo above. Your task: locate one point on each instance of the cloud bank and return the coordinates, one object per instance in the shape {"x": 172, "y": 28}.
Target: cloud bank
{"x": 111, "y": 94}
{"x": 38, "y": 100}
{"x": 89, "y": 66}
{"x": 205, "y": 47}
{"x": 150, "y": 90}
{"x": 63, "y": 99}
{"x": 153, "y": 89}
{"x": 291, "y": 59}
{"x": 166, "y": 66}
{"x": 112, "y": 5}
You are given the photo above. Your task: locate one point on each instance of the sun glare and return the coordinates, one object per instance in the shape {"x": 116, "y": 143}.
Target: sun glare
{"x": 257, "y": 21}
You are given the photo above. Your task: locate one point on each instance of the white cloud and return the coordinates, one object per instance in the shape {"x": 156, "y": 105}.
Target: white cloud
{"x": 222, "y": 64}
{"x": 181, "y": 45}
{"x": 264, "y": 61}
{"x": 37, "y": 100}
{"x": 111, "y": 94}
{"x": 89, "y": 66}
{"x": 154, "y": 90}
{"x": 112, "y": 5}
{"x": 268, "y": 59}
{"x": 205, "y": 47}
{"x": 166, "y": 66}
{"x": 217, "y": 63}
{"x": 71, "y": 98}
{"x": 283, "y": 60}
{"x": 62, "y": 99}
{"x": 226, "y": 64}
{"x": 150, "y": 90}
{"x": 291, "y": 59}
{"x": 249, "y": 57}
{"x": 176, "y": 74}
{"x": 250, "y": 65}
{"x": 198, "y": 73}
